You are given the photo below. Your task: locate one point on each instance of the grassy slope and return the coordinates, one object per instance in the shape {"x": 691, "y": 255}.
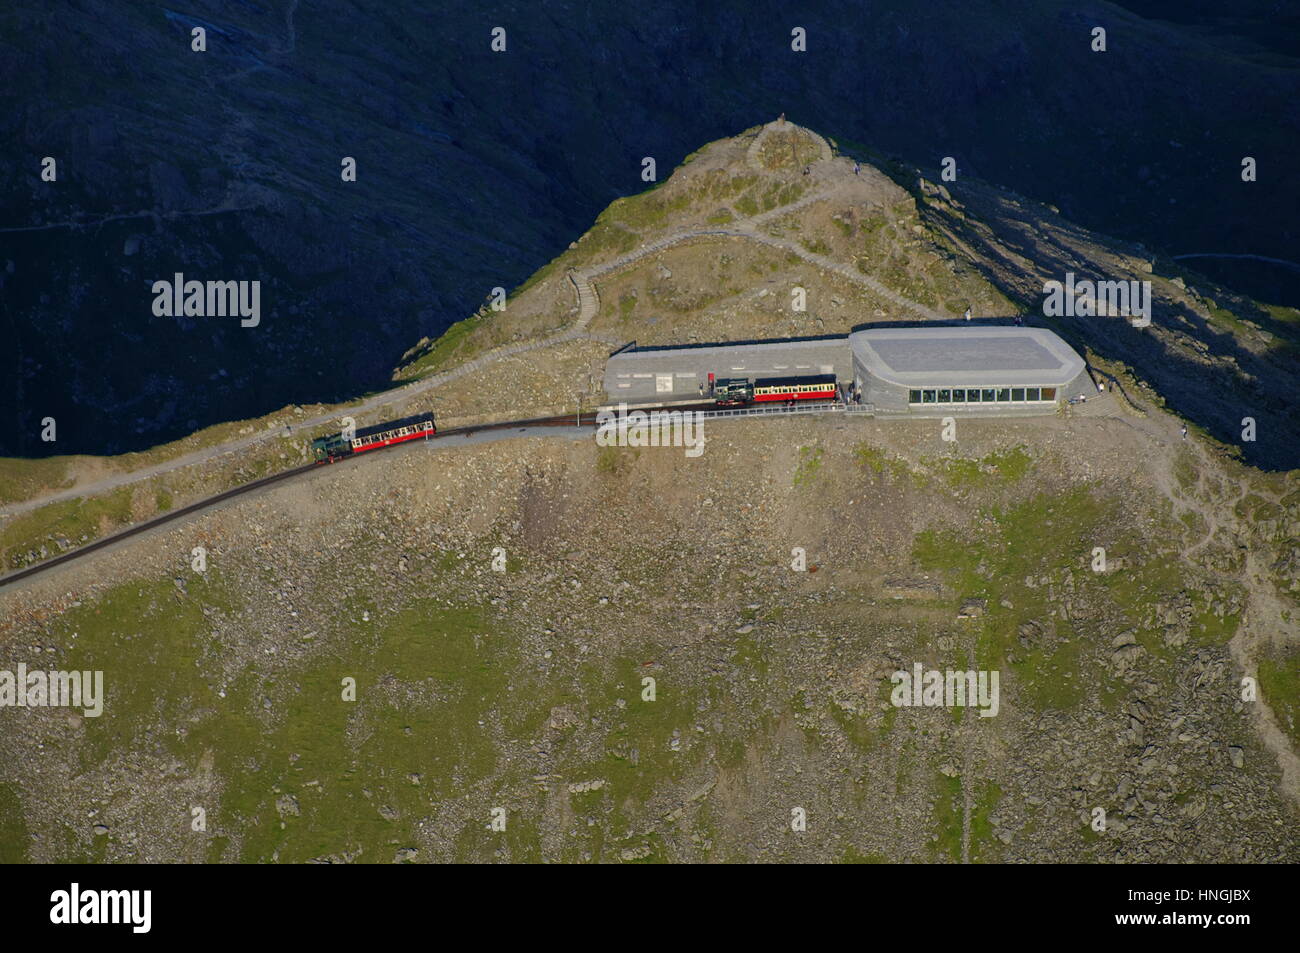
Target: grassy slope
{"x": 449, "y": 709}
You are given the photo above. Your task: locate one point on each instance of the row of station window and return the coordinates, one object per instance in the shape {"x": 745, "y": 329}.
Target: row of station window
{"x": 981, "y": 395}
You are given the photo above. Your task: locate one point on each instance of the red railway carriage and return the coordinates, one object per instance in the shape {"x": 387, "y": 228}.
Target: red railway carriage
{"x": 818, "y": 387}
{"x": 732, "y": 392}
{"x": 328, "y": 449}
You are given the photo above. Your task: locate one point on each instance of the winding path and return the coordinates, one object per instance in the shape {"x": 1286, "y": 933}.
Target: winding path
{"x": 750, "y": 229}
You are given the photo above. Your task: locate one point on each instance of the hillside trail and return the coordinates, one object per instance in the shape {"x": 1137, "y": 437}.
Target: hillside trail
{"x": 833, "y": 180}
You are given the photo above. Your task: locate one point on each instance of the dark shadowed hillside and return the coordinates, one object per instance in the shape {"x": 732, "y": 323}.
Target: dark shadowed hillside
{"x": 475, "y": 168}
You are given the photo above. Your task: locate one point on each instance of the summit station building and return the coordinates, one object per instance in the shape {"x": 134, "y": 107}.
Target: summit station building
{"x": 966, "y": 369}
{"x": 892, "y": 371}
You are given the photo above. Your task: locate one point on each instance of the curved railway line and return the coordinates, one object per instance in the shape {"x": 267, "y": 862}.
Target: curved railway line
{"x": 91, "y": 547}
{"x": 584, "y": 419}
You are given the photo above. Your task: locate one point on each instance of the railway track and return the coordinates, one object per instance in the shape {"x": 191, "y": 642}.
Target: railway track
{"x": 130, "y": 531}
{"x": 587, "y": 419}
{"x": 572, "y": 420}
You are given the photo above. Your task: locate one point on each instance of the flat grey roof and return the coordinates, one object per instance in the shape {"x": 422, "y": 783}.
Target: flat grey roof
{"x": 918, "y": 357}
{"x": 678, "y": 372}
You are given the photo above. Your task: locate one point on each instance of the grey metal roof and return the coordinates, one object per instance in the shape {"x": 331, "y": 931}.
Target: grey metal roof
{"x": 961, "y": 355}
{"x": 667, "y": 373}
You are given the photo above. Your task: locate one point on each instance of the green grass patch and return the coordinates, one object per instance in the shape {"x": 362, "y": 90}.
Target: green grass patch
{"x": 1051, "y": 679}
{"x": 949, "y": 810}
{"x": 22, "y": 479}
{"x": 454, "y": 342}
{"x": 79, "y": 520}
{"x": 538, "y": 276}
{"x": 1044, "y": 532}
{"x": 1002, "y": 467}
{"x": 153, "y": 645}
{"x": 615, "y": 461}
{"x": 1039, "y": 536}
{"x": 875, "y": 460}
{"x": 639, "y": 758}
{"x": 1279, "y": 683}
{"x": 13, "y": 827}
{"x": 981, "y": 829}
{"x": 855, "y": 856}
{"x": 949, "y": 815}
{"x": 522, "y": 840}
{"x": 809, "y": 466}
{"x": 1211, "y": 629}
{"x": 854, "y": 727}
{"x": 752, "y": 654}
{"x": 336, "y": 776}
{"x": 304, "y": 772}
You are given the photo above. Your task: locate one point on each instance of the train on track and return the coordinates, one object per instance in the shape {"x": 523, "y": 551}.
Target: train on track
{"x": 739, "y": 391}
{"x": 338, "y": 445}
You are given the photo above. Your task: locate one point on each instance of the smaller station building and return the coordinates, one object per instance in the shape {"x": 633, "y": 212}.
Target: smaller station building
{"x": 665, "y": 375}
